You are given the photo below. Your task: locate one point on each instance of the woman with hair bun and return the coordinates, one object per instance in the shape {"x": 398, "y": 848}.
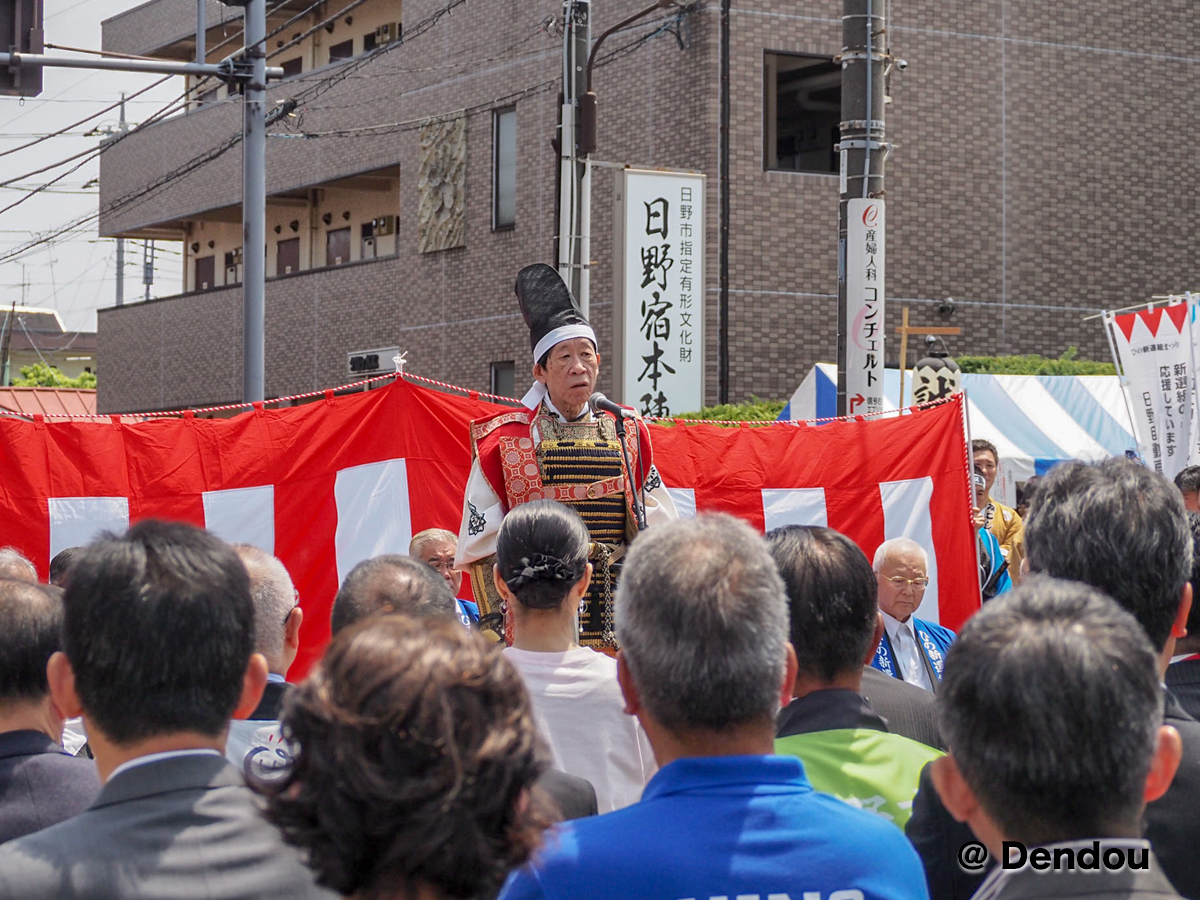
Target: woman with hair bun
{"x": 416, "y": 757}
{"x": 542, "y": 572}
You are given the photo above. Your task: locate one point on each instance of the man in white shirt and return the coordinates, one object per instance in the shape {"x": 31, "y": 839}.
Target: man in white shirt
{"x": 911, "y": 649}
{"x": 158, "y": 641}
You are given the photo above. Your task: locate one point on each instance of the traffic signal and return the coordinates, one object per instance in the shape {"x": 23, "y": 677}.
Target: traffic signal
{"x": 21, "y": 32}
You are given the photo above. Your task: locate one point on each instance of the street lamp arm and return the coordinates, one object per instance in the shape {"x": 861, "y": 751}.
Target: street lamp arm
{"x": 624, "y": 23}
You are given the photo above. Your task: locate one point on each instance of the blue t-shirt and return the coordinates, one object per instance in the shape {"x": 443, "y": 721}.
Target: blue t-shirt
{"x": 468, "y": 612}
{"x": 725, "y": 826}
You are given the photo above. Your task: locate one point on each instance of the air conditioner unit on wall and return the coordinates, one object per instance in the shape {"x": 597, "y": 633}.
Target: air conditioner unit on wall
{"x": 384, "y": 225}
{"x": 386, "y": 33}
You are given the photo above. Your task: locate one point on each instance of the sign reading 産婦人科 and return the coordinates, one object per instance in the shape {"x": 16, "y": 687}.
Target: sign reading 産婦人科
{"x": 660, "y": 307}
{"x": 865, "y": 270}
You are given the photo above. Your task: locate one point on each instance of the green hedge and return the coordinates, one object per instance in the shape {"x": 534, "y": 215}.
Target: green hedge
{"x": 754, "y": 410}
{"x": 1033, "y": 364}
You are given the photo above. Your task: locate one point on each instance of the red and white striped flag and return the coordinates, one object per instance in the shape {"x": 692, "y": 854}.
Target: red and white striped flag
{"x": 326, "y": 485}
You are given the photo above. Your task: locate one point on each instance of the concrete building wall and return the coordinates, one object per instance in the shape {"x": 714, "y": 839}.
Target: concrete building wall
{"x": 1039, "y": 175}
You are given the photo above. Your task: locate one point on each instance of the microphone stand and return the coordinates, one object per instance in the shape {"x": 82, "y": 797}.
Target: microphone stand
{"x": 639, "y": 511}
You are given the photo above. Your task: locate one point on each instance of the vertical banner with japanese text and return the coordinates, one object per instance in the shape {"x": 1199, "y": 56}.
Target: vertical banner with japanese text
{"x": 660, "y": 315}
{"x": 1154, "y": 358}
{"x": 865, "y": 279}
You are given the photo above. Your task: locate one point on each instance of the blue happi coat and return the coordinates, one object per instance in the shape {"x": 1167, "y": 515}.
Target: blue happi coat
{"x": 933, "y": 639}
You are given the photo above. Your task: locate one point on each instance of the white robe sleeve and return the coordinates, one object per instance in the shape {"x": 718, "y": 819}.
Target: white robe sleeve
{"x": 660, "y": 508}
{"x": 482, "y": 513}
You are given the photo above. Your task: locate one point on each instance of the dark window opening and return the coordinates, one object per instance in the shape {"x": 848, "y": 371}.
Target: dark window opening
{"x": 344, "y": 50}
{"x": 287, "y": 258}
{"x": 801, "y": 111}
{"x": 337, "y": 247}
{"x": 292, "y": 67}
{"x": 503, "y": 379}
{"x": 205, "y": 270}
{"x": 369, "y": 42}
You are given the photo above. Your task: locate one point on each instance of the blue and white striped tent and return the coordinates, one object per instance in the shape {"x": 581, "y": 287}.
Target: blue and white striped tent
{"x": 1035, "y": 421}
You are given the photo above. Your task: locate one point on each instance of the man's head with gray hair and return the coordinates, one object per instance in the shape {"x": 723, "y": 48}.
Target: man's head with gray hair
{"x": 437, "y": 547}
{"x": 15, "y": 566}
{"x": 391, "y": 583}
{"x": 901, "y": 573}
{"x": 702, "y": 618}
{"x": 277, "y": 614}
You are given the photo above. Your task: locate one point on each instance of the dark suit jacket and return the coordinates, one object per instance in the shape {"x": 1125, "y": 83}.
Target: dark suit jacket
{"x": 909, "y": 710}
{"x": 271, "y": 704}
{"x": 1122, "y": 885}
{"x": 181, "y": 827}
{"x": 1172, "y": 824}
{"x": 1183, "y": 679}
{"x": 571, "y": 797}
{"x": 40, "y": 784}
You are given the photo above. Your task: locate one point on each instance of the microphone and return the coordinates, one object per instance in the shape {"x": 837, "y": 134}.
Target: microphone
{"x": 598, "y": 402}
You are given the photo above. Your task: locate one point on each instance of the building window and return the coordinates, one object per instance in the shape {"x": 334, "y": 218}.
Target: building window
{"x": 292, "y": 67}
{"x": 801, "y": 111}
{"x": 504, "y": 168}
{"x": 344, "y": 50}
{"x": 503, "y": 380}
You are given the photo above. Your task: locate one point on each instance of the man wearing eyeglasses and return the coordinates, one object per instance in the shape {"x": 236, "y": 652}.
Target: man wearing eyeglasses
{"x": 911, "y": 649}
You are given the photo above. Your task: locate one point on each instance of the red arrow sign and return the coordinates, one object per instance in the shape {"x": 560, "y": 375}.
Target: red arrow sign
{"x": 855, "y": 401}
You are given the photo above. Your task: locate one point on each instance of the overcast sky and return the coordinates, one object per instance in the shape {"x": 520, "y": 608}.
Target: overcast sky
{"x": 76, "y": 274}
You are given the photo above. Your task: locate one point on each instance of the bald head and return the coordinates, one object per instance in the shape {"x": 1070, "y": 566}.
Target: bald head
{"x": 274, "y": 601}
{"x": 391, "y": 583}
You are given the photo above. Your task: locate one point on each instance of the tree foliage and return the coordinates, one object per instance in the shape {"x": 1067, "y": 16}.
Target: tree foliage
{"x": 754, "y": 410}
{"x": 42, "y": 375}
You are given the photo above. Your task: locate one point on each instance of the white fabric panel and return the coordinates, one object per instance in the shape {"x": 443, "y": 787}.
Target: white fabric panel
{"x": 794, "y": 506}
{"x": 906, "y": 514}
{"x": 242, "y": 516}
{"x": 75, "y": 521}
{"x": 1107, "y": 391}
{"x": 1056, "y": 423}
{"x": 373, "y": 512}
{"x": 684, "y": 500}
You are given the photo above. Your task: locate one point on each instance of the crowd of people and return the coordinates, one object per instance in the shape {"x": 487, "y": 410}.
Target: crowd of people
{"x": 776, "y": 722}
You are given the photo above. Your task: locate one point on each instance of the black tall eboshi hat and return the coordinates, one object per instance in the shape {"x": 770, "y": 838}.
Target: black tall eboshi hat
{"x": 550, "y": 312}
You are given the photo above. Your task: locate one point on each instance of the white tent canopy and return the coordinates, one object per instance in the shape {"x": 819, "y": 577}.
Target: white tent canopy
{"x": 1035, "y": 421}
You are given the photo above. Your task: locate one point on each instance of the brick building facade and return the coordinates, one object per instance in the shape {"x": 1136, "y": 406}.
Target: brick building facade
{"x": 1039, "y": 175}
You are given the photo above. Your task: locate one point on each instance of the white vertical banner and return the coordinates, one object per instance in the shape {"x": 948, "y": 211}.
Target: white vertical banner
{"x": 865, "y": 274}
{"x": 1193, "y": 303}
{"x": 1153, "y": 353}
{"x": 373, "y": 515}
{"x": 660, "y": 315}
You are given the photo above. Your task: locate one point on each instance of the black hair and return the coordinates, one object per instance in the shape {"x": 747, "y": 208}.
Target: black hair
{"x": 1051, "y": 706}
{"x": 1193, "y": 622}
{"x": 1188, "y": 480}
{"x": 390, "y": 583}
{"x": 32, "y": 633}
{"x": 1116, "y": 526}
{"x": 541, "y": 552}
{"x": 979, "y": 444}
{"x": 60, "y": 566}
{"x": 159, "y": 628}
{"x": 832, "y": 598}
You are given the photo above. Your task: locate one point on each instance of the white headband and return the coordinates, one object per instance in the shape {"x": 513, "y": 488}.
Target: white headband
{"x": 534, "y": 396}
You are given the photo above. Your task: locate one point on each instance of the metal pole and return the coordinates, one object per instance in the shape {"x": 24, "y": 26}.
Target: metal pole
{"x": 862, "y": 134}
{"x": 38, "y": 60}
{"x": 148, "y": 267}
{"x": 254, "y": 206}
{"x": 723, "y": 204}
{"x": 121, "y": 241}
{"x": 572, "y": 168}
{"x": 120, "y": 271}
{"x": 201, "y": 33}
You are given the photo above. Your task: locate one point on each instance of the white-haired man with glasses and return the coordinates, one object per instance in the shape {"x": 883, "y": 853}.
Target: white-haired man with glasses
{"x": 911, "y": 649}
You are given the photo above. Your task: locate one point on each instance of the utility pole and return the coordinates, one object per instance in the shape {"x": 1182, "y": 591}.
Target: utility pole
{"x": 574, "y": 197}
{"x": 121, "y": 241}
{"x": 6, "y": 334}
{"x": 254, "y": 204}
{"x": 148, "y": 267}
{"x": 861, "y": 222}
